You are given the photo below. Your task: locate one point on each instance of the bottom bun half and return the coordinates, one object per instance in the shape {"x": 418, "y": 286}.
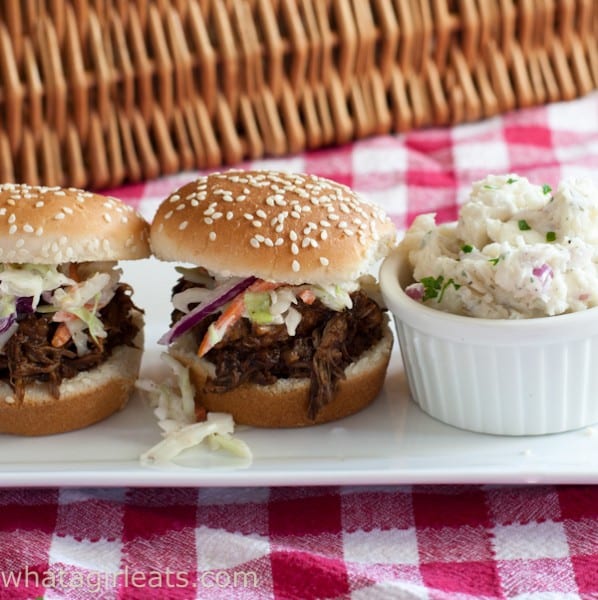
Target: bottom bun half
{"x": 87, "y": 398}
{"x": 284, "y": 403}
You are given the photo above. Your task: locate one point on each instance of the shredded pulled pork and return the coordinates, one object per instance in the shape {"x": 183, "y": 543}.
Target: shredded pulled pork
{"x": 324, "y": 344}
{"x": 29, "y": 356}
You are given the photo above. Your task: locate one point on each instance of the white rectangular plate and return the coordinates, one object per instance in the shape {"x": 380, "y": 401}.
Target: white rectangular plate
{"x": 391, "y": 442}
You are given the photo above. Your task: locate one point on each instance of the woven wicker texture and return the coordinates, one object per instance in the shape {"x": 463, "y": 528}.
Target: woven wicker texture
{"x": 97, "y": 93}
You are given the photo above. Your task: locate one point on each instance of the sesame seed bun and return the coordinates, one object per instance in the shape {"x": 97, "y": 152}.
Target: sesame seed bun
{"x": 284, "y": 403}
{"x": 276, "y": 226}
{"x": 87, "y": 398}
{"x": 52, "y": 225}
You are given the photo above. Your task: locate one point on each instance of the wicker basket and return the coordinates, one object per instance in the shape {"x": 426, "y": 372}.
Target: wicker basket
{"x": 94, "y": 93}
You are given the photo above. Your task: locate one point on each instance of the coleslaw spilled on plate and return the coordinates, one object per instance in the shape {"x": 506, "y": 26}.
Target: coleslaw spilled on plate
{"x": 174, "y": 407}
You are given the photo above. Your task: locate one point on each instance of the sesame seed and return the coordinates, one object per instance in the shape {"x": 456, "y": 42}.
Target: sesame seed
{"x": 248, "y": 216}
{"x": 241, "y": 198}
{"x": 269, "y": 242}
{"x": 124, "y": 219}
{"x": 39, "y": 231}
{"x": 261, "y": 214}
{"x": 194, "y": 202}
{"x": 39, "y": 204}
{"x": 180, "y": 207}
{"x": 2, "y": 211}
{"x": 229, "y": 215}
{"x": 27, "y": 228}
{"x": 20, "y": 243}
{"x": 279, "y": 228}
{"x": 212, "y": 236}
{"x": 324, "y": 261}
{"x": 279, "y": 242}
{"x": 296, "y": 266}
{"x": 183, "y": 225}
{"x": 12, "y": 218}
{"x": 175, "y": 198}
{"x": 12, "y": 229}
{"x": 168, "y": 214}
{"x": 294, "y": 248}
{"x": 306, "y": 242}
{"x": 295, "y": 214}
{"x": 324, "y": 235}
{"x": 260, "y": 238}
{"x": 293, "y": 235}
{"x": 217, "y": 215}
{"x": 208, "y": 221}
{"x": 256, "y": 223}
{"x": 107, "y": 218}
{"x": 254, "y": 242}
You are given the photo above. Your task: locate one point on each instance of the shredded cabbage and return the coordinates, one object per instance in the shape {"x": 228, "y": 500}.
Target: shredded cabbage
{"x": 174, "y": 407}
{"x": 75, "y": 303}
{"x": 30, "y": 280}
{"x": 257, "y": 305}
{"x": 336, "y": 297}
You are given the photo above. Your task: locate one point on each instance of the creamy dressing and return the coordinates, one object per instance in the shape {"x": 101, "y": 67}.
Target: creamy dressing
{"x": 517, "y": 250}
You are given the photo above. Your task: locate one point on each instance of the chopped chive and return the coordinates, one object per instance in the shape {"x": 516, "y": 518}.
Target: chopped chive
{"x": 490, "y": 187}
{"x": 432, "y": 286}
{"x": 435, "y": 287}
{"x": 550, "y": 236}
{"x": 449, "y": 282}
{"x": 523, "y": 225}
{"x": 511, "y": 180}
{"x": 546, "y": 189}
{"x": 466, "y": 248}
{"x": 494, "y": 261}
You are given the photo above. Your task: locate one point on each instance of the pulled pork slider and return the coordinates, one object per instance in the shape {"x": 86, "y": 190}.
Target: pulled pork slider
{"x": 70, "y": 336}
{"x": 276, "y": 316}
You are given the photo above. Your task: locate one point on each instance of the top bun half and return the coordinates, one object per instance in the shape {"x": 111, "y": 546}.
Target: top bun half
{"x": 277, "y": 226}
{"x": 52, "y": 225}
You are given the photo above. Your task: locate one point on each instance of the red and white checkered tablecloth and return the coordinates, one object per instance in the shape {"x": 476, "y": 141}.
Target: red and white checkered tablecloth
{"x": 438, "y": 542}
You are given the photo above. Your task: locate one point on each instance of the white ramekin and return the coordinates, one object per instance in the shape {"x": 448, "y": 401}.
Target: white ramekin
{"x": 499, "y": 376}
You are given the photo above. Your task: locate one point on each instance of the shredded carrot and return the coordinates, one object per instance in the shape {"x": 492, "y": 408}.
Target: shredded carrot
{"x": 61, "y": 336}
{"x": 307, "y": 296}
{"x": 232, "y": 313}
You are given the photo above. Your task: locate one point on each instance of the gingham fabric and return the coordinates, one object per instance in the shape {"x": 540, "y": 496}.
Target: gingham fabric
{"x": 436, "y": 542}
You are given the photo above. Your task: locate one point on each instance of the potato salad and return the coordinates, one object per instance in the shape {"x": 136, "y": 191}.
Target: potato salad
{"x": 517, "y": 250}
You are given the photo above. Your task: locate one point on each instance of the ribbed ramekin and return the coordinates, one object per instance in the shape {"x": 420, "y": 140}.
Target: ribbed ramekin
{"x": 498, "y": 376}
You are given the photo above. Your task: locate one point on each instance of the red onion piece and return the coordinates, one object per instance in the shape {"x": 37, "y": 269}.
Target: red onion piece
{"x": 221, "y": 295}
{"x": 415, "y": 291}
